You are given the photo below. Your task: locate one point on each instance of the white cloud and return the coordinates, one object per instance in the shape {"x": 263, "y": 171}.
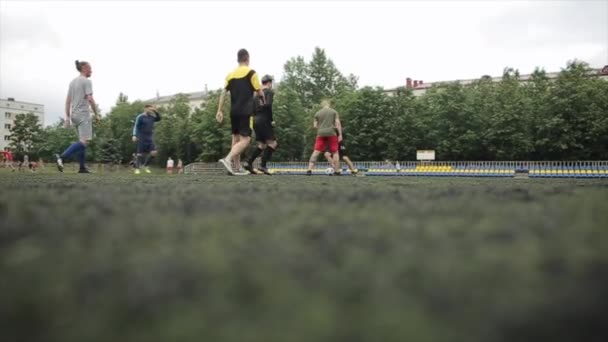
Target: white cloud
{"x": 141, "y": 46}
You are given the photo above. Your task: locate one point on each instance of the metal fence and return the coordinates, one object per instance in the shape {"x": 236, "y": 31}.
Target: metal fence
{"x": 544, "y": 169}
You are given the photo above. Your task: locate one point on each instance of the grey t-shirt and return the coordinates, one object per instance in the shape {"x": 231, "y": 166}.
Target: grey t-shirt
{"x": 80, "y": 88}
{"x": 326, "y": 119}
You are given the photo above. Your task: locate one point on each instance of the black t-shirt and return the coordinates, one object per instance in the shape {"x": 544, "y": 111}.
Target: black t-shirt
{"x": 264, "y": 111}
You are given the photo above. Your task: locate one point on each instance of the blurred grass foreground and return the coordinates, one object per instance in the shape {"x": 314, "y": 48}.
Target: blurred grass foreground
{"x": 167, "y": 258}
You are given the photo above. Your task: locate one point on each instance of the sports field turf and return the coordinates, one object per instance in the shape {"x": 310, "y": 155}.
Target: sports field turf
{"x": 259, "y": 258}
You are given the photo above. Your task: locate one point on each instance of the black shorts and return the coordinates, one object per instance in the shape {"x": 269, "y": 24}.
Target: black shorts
{"x": 145, "y": 145}
{"x": 241, "y": 125}
{"x": 343, "y": 152}
{"x": 263, "y": 130}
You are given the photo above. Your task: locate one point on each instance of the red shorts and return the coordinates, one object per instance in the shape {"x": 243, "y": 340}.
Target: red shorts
{"x": 330, "y": 142}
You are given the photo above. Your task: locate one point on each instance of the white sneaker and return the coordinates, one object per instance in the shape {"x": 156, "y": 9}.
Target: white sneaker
{"x": 59, "y": 163}
{"x": 227, "y": 165}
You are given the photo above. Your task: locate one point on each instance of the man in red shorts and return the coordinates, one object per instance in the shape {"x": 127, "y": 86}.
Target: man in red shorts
{"x": 329, "y": 134}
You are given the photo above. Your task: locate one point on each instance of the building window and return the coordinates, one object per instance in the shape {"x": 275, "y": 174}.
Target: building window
{"x": 7, "y": 115}
{"x": 35, "y": 108}
{"x": 7, "y": 137}
{"x": 22, "y": 107}
{"x": 7, "y": 126}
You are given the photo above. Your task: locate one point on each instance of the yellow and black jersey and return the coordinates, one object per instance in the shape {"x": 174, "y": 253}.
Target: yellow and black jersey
{"x": 241, "y": 83}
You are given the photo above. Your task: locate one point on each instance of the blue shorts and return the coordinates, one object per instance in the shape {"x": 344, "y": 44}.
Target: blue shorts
{"x": 145, "y": 145}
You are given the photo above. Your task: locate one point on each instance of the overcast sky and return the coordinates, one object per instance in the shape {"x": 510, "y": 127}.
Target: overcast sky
{"x": 140, "y": 47}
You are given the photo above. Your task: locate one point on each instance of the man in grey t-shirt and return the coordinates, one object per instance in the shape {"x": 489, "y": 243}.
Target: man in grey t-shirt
{"x": 78, "y": 105}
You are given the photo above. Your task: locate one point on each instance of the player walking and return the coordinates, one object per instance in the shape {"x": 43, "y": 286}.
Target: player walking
{"x": 78, "y": 105}
{"x": 143, "y": 135}
{"x": 343, "y": 154}
{"x": 263, "y": 125}
{"x": 241, "y": 83}
{"x": 329, "y": 133}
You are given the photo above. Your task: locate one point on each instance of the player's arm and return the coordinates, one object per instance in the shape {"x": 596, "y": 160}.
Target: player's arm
{"x": 88, "y": 91}
{"x": 255, "y": 82}
{"x": 156, "y": 116}
{"x": 315, "y": 123}
{"x": 68, "y": 106}
{"x": 219, "y": 117}
{"x": 338, "y": 126}
{"x": 136, "y": 128}
{"x": 268, "y": 104}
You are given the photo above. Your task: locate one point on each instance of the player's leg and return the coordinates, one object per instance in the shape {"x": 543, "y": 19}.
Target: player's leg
{"x": 349, "y": 163}
{"x": 240, "y": 125}
{"x": 271, "y": 147}
{"x": 235, "y": 140}
{"x": 329, "y": 157}
{"x": 259, "y": 147}
{"x": 319, "y": 146}
{"x": 333, "y": 148}
{"x": 150, "y": 148}
{"x": 85, "y": 134}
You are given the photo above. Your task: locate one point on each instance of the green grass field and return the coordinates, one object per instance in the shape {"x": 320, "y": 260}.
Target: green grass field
{"x": 116, "y": 257}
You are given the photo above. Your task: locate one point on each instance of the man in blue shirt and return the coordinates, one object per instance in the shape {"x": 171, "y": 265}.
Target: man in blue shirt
{"x": 143, "y": 135}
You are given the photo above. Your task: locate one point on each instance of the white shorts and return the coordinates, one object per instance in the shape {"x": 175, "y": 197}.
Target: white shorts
{"x": 83, "y": 125}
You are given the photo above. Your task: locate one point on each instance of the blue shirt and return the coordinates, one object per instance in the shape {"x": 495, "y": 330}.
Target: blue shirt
{"x": 144, "y": 125}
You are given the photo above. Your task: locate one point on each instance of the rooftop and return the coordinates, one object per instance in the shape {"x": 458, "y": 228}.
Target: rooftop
{"x": 197, "y": 95}
{"x": 421, "y": 85}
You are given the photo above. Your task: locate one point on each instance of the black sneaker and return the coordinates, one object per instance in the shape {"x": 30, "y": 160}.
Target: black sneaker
{"x": 265, "y": 171}
{"x": 309, "y": 173}
{"x": 84, "y": 171}
{"x": 337, "y": 173}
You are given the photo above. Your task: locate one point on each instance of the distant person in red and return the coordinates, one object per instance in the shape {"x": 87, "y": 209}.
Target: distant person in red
{"x": 8, "y": 159}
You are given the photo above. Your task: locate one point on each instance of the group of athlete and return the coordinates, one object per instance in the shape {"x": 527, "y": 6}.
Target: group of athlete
{"x": 251, "y": 111}
{"x": 247, "y": 96}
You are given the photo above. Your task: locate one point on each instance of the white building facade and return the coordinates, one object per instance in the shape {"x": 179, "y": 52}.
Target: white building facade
{"x": 9, "y": 109}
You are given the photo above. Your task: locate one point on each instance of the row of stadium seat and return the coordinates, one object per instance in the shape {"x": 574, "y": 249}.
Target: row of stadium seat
{"x": 459, "y": 171}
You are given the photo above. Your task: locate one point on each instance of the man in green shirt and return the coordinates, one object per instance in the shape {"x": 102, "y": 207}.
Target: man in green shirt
{"x": 329, "y": 133}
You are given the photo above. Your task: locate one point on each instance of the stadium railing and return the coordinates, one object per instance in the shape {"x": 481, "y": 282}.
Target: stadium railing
{"x": 505, "y": 169}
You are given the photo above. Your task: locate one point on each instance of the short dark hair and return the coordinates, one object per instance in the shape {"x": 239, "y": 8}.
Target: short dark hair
{"x": 80, "y": 64}
{"x": 148, "y": 106}
{"x": 242, "y": 55}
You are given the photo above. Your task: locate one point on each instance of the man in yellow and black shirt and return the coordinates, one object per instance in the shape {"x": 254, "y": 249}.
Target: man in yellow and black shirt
{"x": 241, "y": 83}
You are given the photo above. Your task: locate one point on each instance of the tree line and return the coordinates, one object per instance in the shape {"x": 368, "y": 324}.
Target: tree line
{"x": 541, "y": 119}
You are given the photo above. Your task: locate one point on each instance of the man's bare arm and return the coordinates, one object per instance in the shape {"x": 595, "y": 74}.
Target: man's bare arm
{"x": 220, "y": 106}
{"x": 92, "y": 103}
{"x": 219, "y": 117}
{"x": 260, "y": 93}
{"x": 68, "y": 105}
{"x": 339, "y": 127}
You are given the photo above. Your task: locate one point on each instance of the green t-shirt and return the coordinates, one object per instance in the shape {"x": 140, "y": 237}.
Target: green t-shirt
{"x": 326, "y": 119}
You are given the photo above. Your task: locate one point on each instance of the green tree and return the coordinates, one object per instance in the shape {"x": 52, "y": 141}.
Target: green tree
{"x": 26, "y": 134}
{"x": 574, "y": 124}
{"x": 326, "y": 81}
{"x": 174, "y": 133}
{"x": 366, "y": 117}
{"x": 56, "y": 138}
{"x": 110, "y": 151}
{"x": 507, "y": 134}
{"x": 296, "y": 77}
{"x": 288, "y": 114}
{"x": 212, "y": 139}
